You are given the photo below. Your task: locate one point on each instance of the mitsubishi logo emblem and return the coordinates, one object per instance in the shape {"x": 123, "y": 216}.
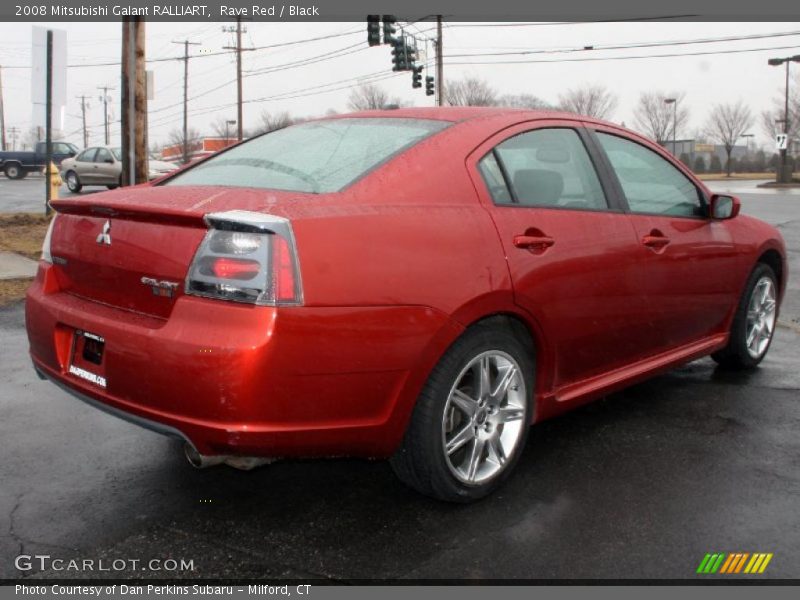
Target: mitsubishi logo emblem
{"x": 105, "y": 236}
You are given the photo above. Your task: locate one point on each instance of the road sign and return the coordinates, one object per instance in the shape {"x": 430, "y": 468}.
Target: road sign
{"x": 781, "y": 141}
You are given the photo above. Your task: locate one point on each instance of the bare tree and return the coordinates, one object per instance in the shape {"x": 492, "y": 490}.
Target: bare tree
{"x": 656, "y": 119}
{"x": 726, "y": 124}
{"x": 591, "y": 100}
{"x": 369, "y": 96}
{"x": 522, "y": 101}
{"x": 469, "y": 91}
{"x": 273, "y": 121}
{"x": 175, "y": 138}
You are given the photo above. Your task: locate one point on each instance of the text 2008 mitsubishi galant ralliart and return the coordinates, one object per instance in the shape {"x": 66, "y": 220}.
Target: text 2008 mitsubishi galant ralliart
{"x": 414, "y": 284}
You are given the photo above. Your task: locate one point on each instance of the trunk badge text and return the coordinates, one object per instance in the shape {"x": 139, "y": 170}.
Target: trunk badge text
{"x": 105, "y": 236}
{"x": 161, "y": 288}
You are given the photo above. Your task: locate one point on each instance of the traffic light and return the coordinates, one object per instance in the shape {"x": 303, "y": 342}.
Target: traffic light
{"x": 411, "y": 55}
{"x": 373, "y": 30}
{"x": 429, "y": 91}
{"x": 389, "y": 29}
{"x": 416, "y": 77}
{"x": 399, "y": 55}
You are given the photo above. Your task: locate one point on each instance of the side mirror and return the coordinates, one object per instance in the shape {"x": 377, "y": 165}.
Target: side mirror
{"x": 724, "y": 207}
{"x": 109, "y": 161}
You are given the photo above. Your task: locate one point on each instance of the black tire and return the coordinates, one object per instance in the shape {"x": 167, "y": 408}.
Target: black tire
{"x": 14, "y": 171}
{"x": 112, "y": 186}
{"x": 421, "y": 461}
{"x": 73, "y": 182}
{"x": 736, "y": 354}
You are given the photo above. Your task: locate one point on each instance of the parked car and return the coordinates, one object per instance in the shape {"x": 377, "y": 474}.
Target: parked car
{"x": 16, "y": 165}
{"x": 102, "y": 165}
{"x": 414, "y": 284}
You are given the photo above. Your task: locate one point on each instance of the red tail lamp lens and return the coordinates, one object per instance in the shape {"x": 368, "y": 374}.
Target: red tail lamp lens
{"x": 283, "y": 270}
{"x": 233, "y": 268}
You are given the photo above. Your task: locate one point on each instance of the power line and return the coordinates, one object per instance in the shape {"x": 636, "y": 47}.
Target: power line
{"x": 206, "y": 54}
{"x": 550, "y": 24}
{"x": 352, "y": 49}
{"x": 604, "y": 58}
{"x": 632, "y": 45}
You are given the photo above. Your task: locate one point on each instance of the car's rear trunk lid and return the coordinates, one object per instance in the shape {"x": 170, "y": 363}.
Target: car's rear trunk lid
{"x": 132, "y": 249}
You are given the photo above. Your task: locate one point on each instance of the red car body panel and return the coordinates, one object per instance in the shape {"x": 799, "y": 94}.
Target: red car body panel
{"x": 394, "y": 269}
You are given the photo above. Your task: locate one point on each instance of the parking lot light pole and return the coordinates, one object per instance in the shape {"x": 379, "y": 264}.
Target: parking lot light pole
{"x": 784, "y": 176}
{"x": 674, "y": 102}
{"x": 747, "y": 137}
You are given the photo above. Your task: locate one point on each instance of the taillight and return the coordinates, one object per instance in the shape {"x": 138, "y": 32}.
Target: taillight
{"x": 247, "y": 257}
{"x": 46, "y": 256}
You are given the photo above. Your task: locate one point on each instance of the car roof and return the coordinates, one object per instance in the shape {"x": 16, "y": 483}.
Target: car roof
{"x": 469, "y": 113}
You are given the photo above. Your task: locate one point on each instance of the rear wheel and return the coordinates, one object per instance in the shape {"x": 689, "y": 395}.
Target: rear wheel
{"x": 754, "y": 322}
{"x": 14, "y": 171}
{"x": 73, "y": 183}
{"x": 471, "y": 419}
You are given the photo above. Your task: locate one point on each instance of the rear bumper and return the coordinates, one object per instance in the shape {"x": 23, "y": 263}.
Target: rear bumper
{"x": 251, "y": 381}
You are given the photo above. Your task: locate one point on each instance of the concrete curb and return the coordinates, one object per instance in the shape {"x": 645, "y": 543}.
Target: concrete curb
{"x": 16, "y": 266}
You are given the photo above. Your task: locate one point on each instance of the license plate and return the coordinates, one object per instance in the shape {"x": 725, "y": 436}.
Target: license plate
{"x": 86, "y": 361}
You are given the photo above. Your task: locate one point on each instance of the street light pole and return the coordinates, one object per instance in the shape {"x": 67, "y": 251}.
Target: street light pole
{"x": 785, "y": 176}
{"x": 674, "y": 102}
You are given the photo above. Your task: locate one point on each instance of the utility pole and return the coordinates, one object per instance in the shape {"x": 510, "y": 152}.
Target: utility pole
{"x": 83, "y": 116}
{"x": 238, "y": 48}
{"x": 186, "y": 44}
{"x": 104, "y": 100}
{"x": 48, "y": 123}
{"x": 134, "y": 102}
{"x": 439, "y": 63}
{"x": 2, "y": 115}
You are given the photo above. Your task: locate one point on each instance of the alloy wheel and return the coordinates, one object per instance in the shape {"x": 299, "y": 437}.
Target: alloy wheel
{"x": 761, "y": 317}
{"x": 483, "y": 418}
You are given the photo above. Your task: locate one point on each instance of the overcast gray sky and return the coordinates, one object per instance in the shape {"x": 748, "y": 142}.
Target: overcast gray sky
{"x": 312, "y": 89}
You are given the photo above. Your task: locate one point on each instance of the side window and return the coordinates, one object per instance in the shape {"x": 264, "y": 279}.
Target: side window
{"x": 102, "y": 155}
{"x": 495, "y": 181}
{"x": 87, "y": 155}
{"x": 650, "y": 183}
{"x": 545, "y": 167}
{"x": 59, "y": 148}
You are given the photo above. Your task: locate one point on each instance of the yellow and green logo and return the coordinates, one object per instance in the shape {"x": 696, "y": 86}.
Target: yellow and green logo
{"x": 734, "y": 562}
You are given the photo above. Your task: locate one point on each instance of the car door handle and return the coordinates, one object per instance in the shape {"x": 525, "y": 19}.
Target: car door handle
{"x": 533, "y": 242}
{"x": 656, "y": 241}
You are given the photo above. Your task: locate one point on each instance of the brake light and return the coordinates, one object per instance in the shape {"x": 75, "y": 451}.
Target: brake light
{"x": 232, "y": 268}
{"x": 246, "y": 257}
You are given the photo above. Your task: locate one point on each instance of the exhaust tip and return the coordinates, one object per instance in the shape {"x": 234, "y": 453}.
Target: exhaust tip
{"x": 193, "y": 456}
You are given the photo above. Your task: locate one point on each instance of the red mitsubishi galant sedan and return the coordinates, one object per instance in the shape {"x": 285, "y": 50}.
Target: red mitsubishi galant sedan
{"x": 416, "y": 284}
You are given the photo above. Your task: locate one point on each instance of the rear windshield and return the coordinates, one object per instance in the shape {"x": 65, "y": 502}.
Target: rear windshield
{"x": 315, "y": 157}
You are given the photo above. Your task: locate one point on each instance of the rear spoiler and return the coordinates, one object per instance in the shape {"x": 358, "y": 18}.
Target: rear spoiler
{"x": 120, "y": 210}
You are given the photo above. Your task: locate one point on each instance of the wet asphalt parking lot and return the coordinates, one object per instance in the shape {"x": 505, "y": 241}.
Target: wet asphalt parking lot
{"x": 638, "y": 485}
